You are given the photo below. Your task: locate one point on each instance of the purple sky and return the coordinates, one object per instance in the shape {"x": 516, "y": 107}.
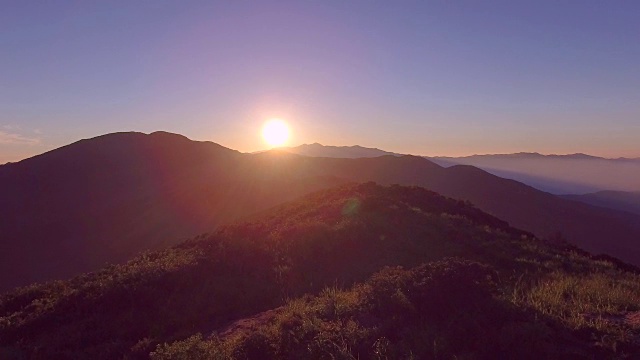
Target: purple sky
{"x": 425, "y": 77}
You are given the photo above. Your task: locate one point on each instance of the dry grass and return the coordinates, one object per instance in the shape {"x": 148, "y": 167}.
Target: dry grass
{"x": 596, "y": 301}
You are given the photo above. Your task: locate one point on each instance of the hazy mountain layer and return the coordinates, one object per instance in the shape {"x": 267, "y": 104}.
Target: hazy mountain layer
{"x": 619, "y": 200}
{"x": 558, "y": 174}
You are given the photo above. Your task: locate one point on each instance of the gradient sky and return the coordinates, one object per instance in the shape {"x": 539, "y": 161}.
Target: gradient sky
{"x": 426, "y": 77}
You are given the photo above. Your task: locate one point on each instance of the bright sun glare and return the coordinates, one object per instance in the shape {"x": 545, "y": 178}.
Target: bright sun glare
{"x": 275, "y": 132}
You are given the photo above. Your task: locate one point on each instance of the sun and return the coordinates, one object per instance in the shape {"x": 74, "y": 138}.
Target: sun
{"x": 275, "y": 132}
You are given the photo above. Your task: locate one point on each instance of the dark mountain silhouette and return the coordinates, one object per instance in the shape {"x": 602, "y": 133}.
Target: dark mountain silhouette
{"x": 619, "y": 200}
{"x": 473, "y": 287}
{"x": 348, "y": 152}
{"x": 558, "y": 174}
{"x": 108, "y": 198}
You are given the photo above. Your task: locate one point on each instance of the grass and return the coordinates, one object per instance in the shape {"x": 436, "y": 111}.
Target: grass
{"x": 444, "y": 310}
{"x": 582, "y": 301}
{"x": 421, "y": 313}
{"x": 310, "y": 260}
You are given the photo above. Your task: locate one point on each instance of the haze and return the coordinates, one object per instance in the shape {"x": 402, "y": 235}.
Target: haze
{"x": 427, "y": 78}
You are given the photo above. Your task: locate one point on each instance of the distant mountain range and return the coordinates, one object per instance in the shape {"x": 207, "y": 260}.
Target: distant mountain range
{"x": 558, "y": 174}
{"x": 347, "y": 152}
{"x": 568, "y": 175}
{"x": 535, "y": 155}
{"x": 108, "y": 198}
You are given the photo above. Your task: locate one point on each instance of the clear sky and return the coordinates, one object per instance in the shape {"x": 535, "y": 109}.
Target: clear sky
{"x": 425, "y": 77}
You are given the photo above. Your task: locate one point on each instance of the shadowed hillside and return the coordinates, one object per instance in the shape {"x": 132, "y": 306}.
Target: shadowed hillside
{"x": 596, "y": 229}
{"x": 106, "y": 199}
{"x": 618, "y": 200}
{"x": 499, "y": 296}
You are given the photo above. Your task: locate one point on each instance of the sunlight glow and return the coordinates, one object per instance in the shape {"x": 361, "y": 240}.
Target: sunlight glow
{"x": 275, "y": 132}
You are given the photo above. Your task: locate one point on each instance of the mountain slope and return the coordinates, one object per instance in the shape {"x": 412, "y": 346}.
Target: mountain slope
{"x": 595, "y": 229}
{"x": 340, "y": 236}
{"x": 618, "y": 200}
{"x": 106, "y": 199}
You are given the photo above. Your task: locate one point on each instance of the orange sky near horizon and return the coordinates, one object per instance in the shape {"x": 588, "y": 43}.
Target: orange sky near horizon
{"x": 425, "y": 78}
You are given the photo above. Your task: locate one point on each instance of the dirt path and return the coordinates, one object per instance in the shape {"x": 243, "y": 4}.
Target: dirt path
{"x": 246, "y": 325}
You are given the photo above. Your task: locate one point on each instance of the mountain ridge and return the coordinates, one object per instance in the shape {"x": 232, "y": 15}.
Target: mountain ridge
{"x": 354, "y": 151}
{"x": 75, "y": 209}
{"x": 581, "y": 156}
{"x": 319, "y": 147}
{"x": 576, "y": 173}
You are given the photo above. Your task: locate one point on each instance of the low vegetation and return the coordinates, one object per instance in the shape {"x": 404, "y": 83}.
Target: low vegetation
{"x": 444, "y": 309}
{"x": 356, "y": 272}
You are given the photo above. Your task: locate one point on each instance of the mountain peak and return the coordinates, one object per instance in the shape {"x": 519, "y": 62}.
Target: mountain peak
{"x": 580, "y": 156}
{"x": 167, "y": 134}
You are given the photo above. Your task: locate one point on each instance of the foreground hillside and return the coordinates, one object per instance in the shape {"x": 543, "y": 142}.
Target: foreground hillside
{"x": 317, "y": 278}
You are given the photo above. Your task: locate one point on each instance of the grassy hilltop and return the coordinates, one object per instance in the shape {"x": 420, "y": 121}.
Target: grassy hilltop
{"x": 355, "y": 272}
